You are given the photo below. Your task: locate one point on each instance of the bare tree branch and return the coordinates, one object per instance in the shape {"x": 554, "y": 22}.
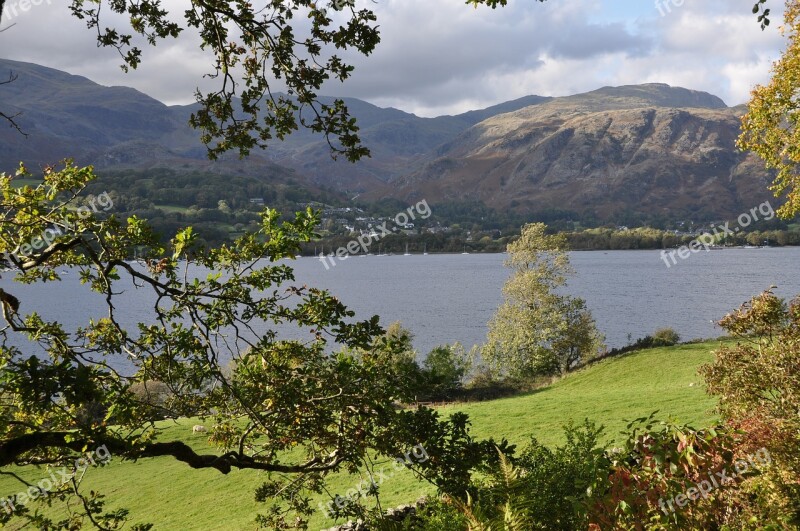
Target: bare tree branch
{"x": 11, "y": 78}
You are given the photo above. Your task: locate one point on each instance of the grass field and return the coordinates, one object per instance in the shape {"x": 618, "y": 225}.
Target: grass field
{"x": 175, "y": 497}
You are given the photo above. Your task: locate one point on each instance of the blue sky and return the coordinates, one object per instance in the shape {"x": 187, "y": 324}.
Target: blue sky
{"x": 443, "y": 57}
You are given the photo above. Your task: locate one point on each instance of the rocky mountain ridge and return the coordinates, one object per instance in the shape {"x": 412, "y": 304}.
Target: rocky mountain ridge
{"x": 610, "y": 154}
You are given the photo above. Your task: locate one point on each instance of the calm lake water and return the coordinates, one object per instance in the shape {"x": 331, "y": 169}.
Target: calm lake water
{"x": 448, "y": 298}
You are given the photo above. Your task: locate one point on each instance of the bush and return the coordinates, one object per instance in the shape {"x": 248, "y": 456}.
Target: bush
{"x": 154, "y": 395}
{"x": 542, "y": 489}
{"x": 485, "y": 385}
{"x": 665, "y": 337}
{"x": 435, "y": 515}
{"x": 756, "y": 380}
{"x": 444, "y": 371}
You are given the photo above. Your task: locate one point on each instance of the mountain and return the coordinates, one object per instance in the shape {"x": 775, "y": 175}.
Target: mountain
{"x": 644, "y": 152}
{"x": 634, "y": 152}
{"x": 111, "y": 127}
{"x": 396, "y": 139}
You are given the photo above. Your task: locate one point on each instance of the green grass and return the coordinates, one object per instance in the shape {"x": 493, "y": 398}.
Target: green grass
{"x": 175, "y": 497}
{"x": 609, "y": 392}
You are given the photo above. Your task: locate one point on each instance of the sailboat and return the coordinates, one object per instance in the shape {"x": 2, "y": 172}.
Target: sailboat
{"x": 406, "y": 253}
{"x": 465, "y": 250}
{"x": 425, "y": 250}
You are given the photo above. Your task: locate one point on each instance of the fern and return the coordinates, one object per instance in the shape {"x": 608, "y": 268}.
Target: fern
{"x": 503, "y": 506}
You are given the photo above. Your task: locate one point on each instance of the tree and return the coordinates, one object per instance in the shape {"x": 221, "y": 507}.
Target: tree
{"x": 255, "y": 46}
{"x": 537, "y": 331}
{"x": 756, "y": 380}
{"x": 444, "y": 370}
{"x": 770, "y": 127}
{"x": 297, "y": 408}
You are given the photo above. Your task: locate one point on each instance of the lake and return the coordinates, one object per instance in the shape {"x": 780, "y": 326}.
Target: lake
{"x": 448, "y": 298}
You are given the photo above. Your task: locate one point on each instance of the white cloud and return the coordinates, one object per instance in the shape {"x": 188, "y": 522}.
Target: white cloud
{"x": 442, "y": 56}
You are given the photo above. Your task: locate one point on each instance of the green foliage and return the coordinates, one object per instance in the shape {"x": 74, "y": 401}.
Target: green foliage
{"x": 762, "y": 12}
{"x": 442, "y": 372}
{"x": 400, "y": 358}
{"x": 756, "y": 381}
{"x": 251, "y": 46}
{"x": 543, "y": 489}
{"x": 665, "y": 337}
{"x": 293, "y": 409}
{"x": 559, "y": 479}
{"x": 536, "y": 331}
{"x": 437, "y": 515}
{"x": 653, "y": 481}
{"x": 445, "y": 369}
{"x": 501, "y": 503}
{"x": 491, "y": 3}
{"x": 770, "y": 127}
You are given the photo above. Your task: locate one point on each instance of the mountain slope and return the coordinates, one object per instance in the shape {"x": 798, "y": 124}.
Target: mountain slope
{"x": 397, "y": 140}
{"x": 646, "y": 151}
{"x": 632, "y": 153}
{"x": 66, "y": 115}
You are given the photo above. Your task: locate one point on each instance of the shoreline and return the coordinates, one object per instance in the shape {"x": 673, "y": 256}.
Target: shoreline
{"x": 456, "y": 253}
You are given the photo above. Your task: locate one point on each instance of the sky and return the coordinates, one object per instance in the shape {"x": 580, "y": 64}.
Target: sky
{"x": 444, "y": 57}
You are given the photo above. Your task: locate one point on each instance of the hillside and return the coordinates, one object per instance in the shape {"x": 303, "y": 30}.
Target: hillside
{"x": 397, "y": 141}
{"x": 177, "y": 498}
{"x": 630, "y": 155}
{"x": 121, "y": 128}
{"x": 648, "y": 151}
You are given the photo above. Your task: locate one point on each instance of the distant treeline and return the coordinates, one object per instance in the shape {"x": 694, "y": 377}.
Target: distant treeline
{"x": 601, "y": 239}
{"x": 648, "y": 238}
{"x": 222, "y": 207}
{"x": 218, "y": 207}
{"x": 415, "y": 244}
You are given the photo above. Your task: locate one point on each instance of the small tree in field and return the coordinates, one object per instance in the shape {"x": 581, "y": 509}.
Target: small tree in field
{"x": 537, "y": 331}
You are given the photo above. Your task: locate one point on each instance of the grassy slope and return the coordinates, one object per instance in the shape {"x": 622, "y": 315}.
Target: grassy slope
{"x": 175, "y": 497}
{"x": 608, "y": 392}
